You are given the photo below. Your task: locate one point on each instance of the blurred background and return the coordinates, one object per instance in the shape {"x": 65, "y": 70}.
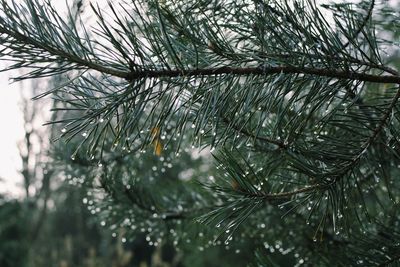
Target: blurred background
{"x": 44, "y": 220}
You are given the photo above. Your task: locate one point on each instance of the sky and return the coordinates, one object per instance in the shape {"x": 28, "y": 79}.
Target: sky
{"x": 12, "y": 130}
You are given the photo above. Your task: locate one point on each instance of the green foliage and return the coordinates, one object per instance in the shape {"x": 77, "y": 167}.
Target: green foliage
{"x": 13, "y": 229}
{"x": 297, "y": 102}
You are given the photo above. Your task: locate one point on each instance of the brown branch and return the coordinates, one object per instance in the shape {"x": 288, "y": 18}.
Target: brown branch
{"x": 292, "y": 54}
{"x": 264, "y": 71}
{"x": 133, "y": 75}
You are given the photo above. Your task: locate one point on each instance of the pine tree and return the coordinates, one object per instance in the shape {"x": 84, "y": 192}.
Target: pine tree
{"x": 297, "y": 102}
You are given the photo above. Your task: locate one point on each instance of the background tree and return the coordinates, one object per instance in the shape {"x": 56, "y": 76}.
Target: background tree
{"x": 296, "y": 101}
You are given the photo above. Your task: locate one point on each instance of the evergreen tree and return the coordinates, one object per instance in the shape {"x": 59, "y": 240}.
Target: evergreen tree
{"x": 298, "y": 103}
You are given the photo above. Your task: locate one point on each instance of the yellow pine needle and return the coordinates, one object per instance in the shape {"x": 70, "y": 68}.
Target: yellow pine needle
{"x": 158, "y": 148}
{"x": 156, "y": 141}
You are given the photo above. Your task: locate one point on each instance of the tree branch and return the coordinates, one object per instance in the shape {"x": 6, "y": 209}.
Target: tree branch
{"x": 298, "y": 54}
{"x": 329, "y": 73}
{"x": 367, "y": 143}
{"x": 133, "y": 75}
{"x": 375, "y": 133}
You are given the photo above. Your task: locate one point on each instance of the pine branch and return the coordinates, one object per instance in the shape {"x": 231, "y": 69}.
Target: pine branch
{"x": 374, "y": 134}
{"x": 338, "y": 59}
{"x": 55, "y": 51}
{"x": 220, "y": 77}
{"x": 330, "y": 73}
{"x": 266, "y": 70}
{"x": 344, "y": 170}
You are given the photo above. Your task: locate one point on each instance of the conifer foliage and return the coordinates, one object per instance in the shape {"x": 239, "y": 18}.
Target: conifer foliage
{"x": 297, "y": 102}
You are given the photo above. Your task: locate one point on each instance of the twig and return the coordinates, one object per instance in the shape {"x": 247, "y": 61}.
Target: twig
{"x": 329, "y": 73}
{"x": 266, "y": 70}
